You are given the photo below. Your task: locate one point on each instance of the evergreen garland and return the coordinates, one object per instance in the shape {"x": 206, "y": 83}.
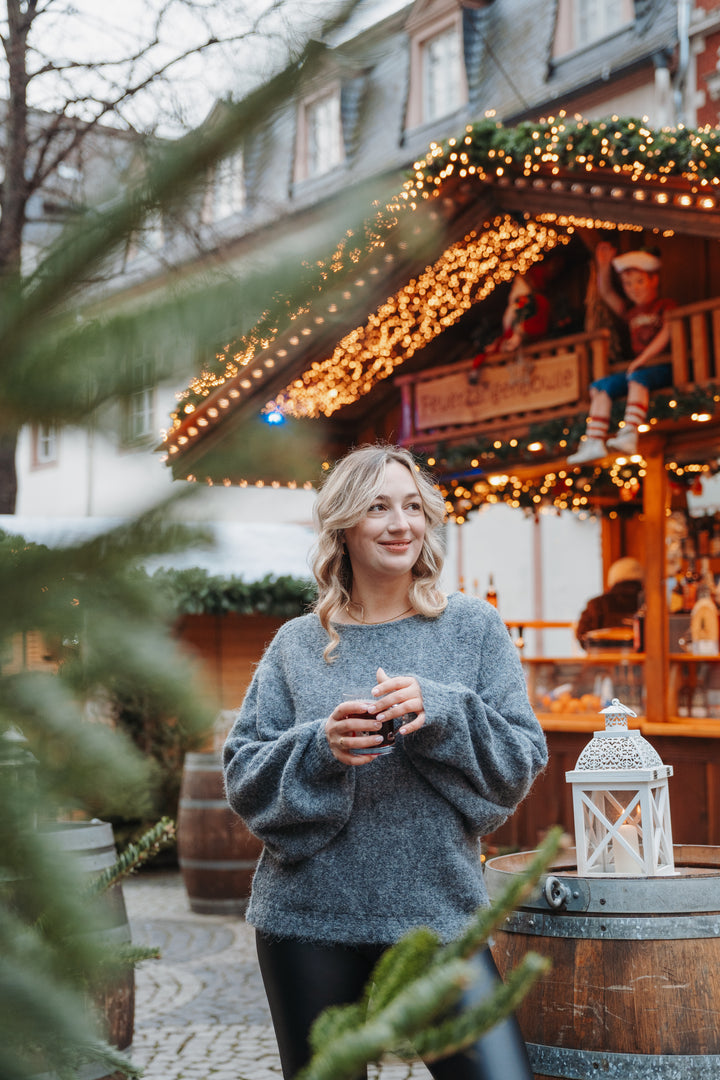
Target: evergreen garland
{"x": 196, "y": 592}
{"x": 624, "y": 144}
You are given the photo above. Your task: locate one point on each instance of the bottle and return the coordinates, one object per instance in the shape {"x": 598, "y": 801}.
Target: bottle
{"x": 703, "y": 536}
{"x": 676, "y": 596}
{"x": 715, "y": 538}
{"x": 690, "y": 585}
{"x": 491, "y": 595}
{"x": 707, "y": 579}
{"x": 639, "y": 625}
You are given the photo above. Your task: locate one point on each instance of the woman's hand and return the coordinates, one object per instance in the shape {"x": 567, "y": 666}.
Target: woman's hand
{"x": 343, "y": 734}
{"x": 401, "y": 695}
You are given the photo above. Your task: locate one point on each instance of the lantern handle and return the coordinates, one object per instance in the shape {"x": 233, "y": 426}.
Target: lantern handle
{"x": 556, "y": 892}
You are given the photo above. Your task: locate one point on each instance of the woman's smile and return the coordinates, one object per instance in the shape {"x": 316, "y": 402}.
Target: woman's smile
{"x": 389, "y": 538}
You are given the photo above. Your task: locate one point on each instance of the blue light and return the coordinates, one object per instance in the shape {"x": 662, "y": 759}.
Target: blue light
{"x": 274, "y": 417}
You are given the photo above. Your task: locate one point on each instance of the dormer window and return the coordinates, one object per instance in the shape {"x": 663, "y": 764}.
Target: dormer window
{"x": 225, "y": 192}
{"x": 320, "y": 141}
{"x": 438, "y": 84}
{"x": 150, "y": 238}
{"x": 598, "y": 18}
{"x": 139, "y": 404}
{"x": 441, "y": 71}
{"x": 44, "y": 445}
{"x": 582, "y": 22}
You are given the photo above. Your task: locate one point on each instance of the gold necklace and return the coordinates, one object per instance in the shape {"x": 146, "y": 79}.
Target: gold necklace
{"x": 364, "y": 623}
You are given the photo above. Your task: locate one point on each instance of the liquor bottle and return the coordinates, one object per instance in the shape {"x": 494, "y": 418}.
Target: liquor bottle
{"x": 715, "y": 537}
{"x": 690, "y": 585}
{"x": 491, "y": 595}
{"x": 677, "y": 598}
{"x": 639, "y": 625}
{"x": 707, "y": 579}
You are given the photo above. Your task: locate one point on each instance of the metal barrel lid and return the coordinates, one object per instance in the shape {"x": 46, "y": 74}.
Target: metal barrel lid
{"x": 694, "y": 888}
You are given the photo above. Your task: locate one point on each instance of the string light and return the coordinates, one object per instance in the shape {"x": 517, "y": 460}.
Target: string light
{"x": 464, "y": 275}
{"x": 583, "y": 158}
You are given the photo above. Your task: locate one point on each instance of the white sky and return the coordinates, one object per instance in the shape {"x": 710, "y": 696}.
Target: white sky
{"x": 94, "y": 30}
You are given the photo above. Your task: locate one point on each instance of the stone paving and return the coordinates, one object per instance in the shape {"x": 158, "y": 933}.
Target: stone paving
{"x": 200, "y": 1010}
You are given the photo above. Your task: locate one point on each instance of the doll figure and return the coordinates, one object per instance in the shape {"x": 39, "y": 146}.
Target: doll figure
{"x": 526, "y": 318}
{"x": 644, "y": 312}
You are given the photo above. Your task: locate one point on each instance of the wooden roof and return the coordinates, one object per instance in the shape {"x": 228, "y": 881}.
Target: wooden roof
{"x": 476, "y": 210}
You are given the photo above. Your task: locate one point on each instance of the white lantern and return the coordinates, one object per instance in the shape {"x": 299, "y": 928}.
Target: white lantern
{"x": 621, "y": 803}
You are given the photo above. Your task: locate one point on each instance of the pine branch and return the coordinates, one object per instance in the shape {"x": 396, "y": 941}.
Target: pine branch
{"x": 414, "y": 1007}
{"x": 400, "y": 965}
{"x": 134, "y": 855}
{"x": 459, "y": 1032}
{"x": 417, "y": 981}
{"x": 122, "y": 957}
{"x": 487, "y": 920}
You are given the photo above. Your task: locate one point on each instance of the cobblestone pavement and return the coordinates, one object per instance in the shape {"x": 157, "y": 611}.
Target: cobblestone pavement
{"x": 200, "y": 1010}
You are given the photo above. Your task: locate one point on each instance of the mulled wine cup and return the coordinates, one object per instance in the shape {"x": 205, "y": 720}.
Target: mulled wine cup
{"x": 387, "y": 730}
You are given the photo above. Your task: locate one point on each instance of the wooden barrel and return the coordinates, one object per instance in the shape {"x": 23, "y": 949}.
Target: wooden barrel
{"x": 91, "y": 847}
{"x": 216, "y": 852}
{"x": 634, "y": 988}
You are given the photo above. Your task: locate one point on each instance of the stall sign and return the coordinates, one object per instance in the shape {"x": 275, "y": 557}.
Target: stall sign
{"x": 518, "y": 386}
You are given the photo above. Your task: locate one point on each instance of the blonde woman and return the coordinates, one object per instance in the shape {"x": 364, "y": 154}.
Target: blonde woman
{"x": 366, "y": 834}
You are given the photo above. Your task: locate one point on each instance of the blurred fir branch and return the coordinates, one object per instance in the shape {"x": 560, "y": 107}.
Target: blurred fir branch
{"x": 407, "y": 1006}
{"x": 85, "y": 607}
{"x": 134, "y": 855}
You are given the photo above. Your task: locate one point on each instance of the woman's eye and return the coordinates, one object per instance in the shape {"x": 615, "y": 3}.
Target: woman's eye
{"x": 375, "y": 507}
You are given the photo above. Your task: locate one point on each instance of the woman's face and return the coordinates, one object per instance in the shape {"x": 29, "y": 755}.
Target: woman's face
{"x": 387, "y": 542}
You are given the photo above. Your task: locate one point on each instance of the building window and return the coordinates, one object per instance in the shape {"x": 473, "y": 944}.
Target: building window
{"x": 438, "y": 83}
{"x": 225, "y": 193}
{"x": 598, "y": 18}
{"x": 149, "y": 238}
{"x": 582, "y": 22}
{"x": 320, "y": 142}
{"x": 140, "y": 404}
{"x": 441, "y": 71}
{"x": 45, "y": 444}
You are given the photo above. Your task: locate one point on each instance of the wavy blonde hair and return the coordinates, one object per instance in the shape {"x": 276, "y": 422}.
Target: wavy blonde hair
{"x": 342, "y": 502}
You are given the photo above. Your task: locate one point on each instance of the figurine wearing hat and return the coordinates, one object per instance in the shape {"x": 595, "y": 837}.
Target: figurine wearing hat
{"x": 644, "y": 312}
{"x": 527, "y": 316}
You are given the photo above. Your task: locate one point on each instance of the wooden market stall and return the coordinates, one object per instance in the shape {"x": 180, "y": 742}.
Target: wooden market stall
{"x": 385, "y": 347}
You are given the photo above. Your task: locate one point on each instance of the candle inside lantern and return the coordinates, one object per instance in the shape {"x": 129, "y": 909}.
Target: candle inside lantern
{"x": 624, "y": 862}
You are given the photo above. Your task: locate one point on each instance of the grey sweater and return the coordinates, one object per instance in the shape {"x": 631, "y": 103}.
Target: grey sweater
{"x": 361, "y": 854}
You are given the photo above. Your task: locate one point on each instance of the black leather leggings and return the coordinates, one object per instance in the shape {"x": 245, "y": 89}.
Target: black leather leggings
{"x": 301, "y": 979}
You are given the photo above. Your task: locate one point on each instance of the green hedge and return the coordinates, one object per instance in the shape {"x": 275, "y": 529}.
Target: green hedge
{"x": 196, "y": 592}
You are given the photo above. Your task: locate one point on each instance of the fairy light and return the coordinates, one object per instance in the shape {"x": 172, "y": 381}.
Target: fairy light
{"x": 465, "y": 274}
{"x": 617, "y": 159}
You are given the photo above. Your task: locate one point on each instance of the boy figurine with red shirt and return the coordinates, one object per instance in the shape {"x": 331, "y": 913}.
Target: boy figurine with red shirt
{"x": 644, "y": 312}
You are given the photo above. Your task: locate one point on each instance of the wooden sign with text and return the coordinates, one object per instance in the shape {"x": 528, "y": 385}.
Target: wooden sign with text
{"x": 520, "y": 386}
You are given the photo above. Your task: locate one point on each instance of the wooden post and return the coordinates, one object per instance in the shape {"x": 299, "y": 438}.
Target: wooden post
{"x": 656, "y": 618}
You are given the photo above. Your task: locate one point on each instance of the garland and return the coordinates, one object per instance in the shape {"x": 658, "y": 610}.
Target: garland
{"x": 196, "y": 592}
{"x": 624, "y": 145}
{"x": 487, "y": 147}
{"x": 470, "y": 476}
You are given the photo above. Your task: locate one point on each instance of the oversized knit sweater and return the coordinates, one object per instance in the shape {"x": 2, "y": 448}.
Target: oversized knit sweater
{"x": 361, "y": 854}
